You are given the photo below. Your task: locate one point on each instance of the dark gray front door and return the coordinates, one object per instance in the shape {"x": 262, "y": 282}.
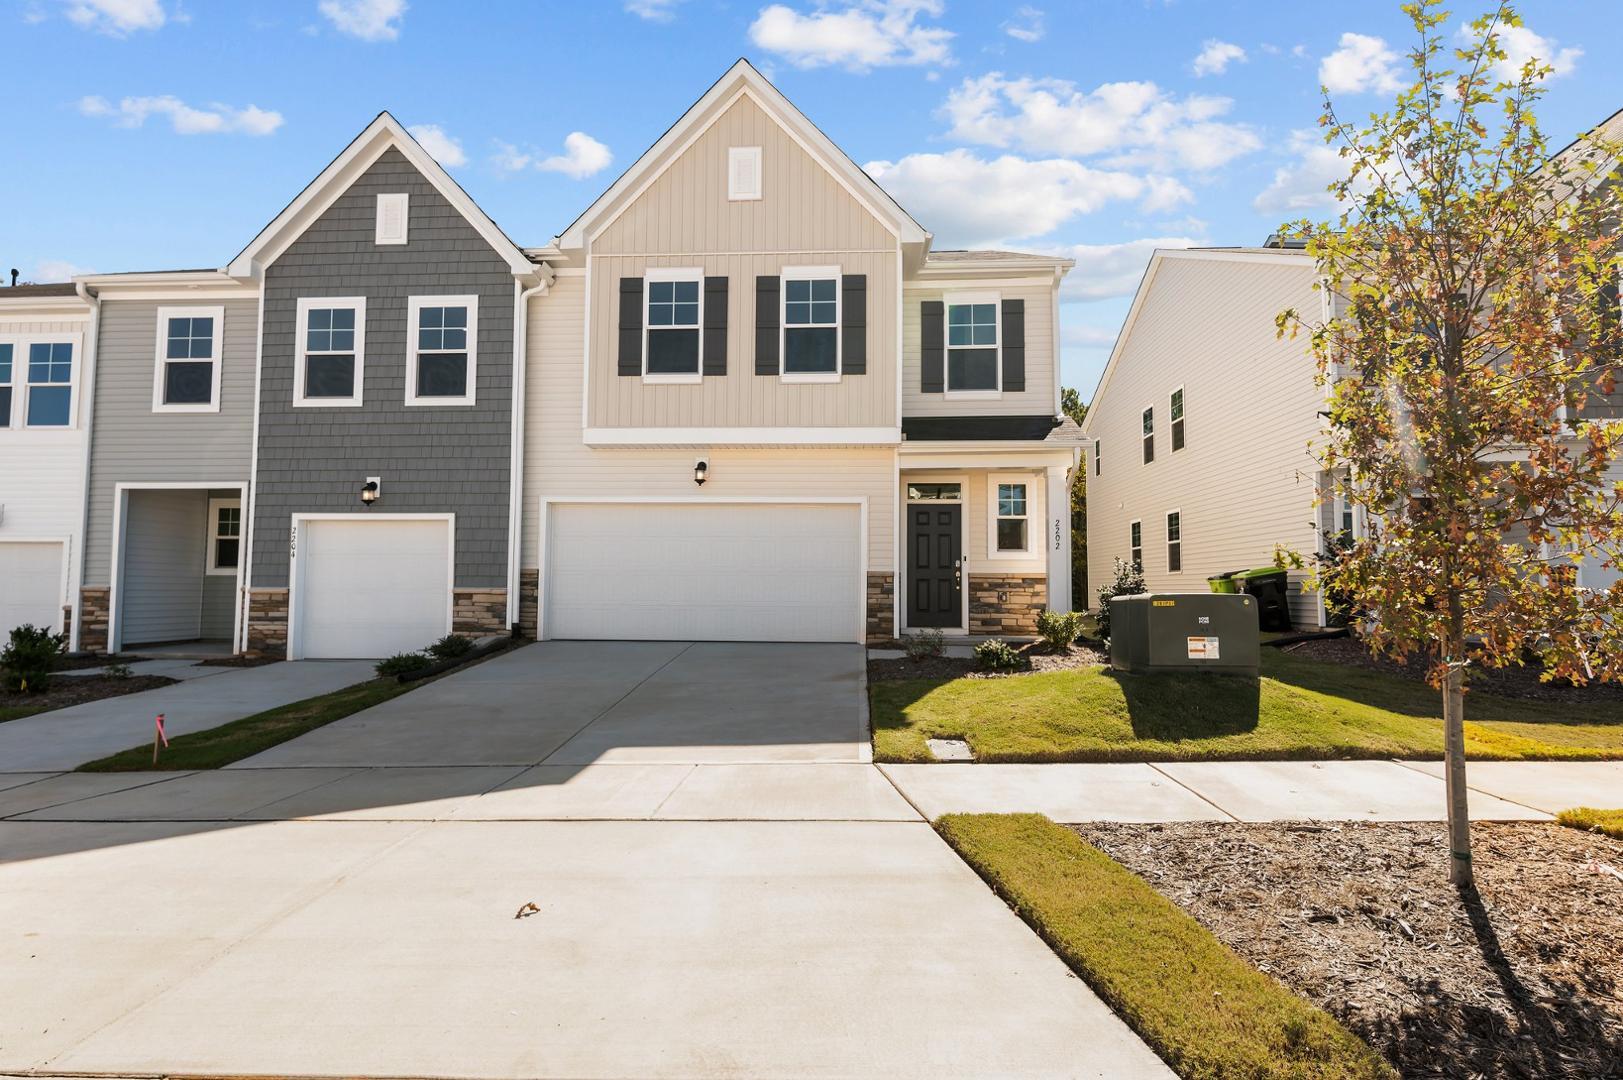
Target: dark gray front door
{"x": 934, "y": 570}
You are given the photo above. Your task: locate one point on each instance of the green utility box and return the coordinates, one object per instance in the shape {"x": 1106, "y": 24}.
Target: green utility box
{"x": 1271, "y": 587}
{"x": 1180, "y": 632}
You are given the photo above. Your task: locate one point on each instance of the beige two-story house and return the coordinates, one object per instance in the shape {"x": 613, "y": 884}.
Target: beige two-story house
{"x": 758, "y": 406}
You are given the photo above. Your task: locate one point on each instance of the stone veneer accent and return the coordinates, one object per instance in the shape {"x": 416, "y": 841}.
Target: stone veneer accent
{"x": 93, "y": 608}
{"x": 529, "y": 597}
{"x": 479, "y": 612}
{"x": 267, "y": 622}
{"x": 1006, "y": 604}
{"x": 881, "y": 605}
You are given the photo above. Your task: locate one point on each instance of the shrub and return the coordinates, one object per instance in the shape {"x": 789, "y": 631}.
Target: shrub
{"x": 1059, "y": 629}
{"x": 29, "y": 658}
{"x": 1128, "y": 581}
{"x": 997, "y": 655}
{"x": 117, "y": 671}
{"x": 406, "y": 663}
{"x": 925, "y": 644}
{"x": 451, "y": 646}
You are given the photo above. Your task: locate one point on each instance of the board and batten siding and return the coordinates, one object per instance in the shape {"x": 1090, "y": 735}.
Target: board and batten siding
{"x": 431, "y": 459}
{"x": 1037, "y": 399}
{"x": 1245, "y": 480}
{"x": 805, "y": 217}
{"x": 559, "y": 465}
{"x": 134, "y": 445}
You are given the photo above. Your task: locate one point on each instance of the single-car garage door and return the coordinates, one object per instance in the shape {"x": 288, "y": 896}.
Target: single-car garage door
{"x": 30, "y": 585}
{"x": 704, "y": 572}
{"x": 371, "y": 586}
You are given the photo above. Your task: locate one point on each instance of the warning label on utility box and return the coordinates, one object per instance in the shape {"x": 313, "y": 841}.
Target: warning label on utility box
{"x": 1203, "y": 648}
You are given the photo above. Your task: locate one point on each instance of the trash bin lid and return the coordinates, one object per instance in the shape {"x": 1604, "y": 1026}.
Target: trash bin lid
{"x": 1261, "y": 571}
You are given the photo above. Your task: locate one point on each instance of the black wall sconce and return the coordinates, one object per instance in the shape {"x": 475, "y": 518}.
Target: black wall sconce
{"x": 701, "y": 472}
{"x": 372, "y": 490}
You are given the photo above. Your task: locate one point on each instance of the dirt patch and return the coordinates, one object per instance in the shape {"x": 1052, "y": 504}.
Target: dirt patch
{"x": 78, "y": 689}
{"x": 1034, "y": 656}
{"x": 239, "y": 661}
{"x": 1523, "y": 979}
{"x": 1512, "y": 682}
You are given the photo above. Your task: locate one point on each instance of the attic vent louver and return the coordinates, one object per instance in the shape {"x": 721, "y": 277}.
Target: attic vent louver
{"x": 392, "y": 218}
{"x": 743, "y": 173}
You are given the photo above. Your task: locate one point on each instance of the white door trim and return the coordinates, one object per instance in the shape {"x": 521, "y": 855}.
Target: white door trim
{"x": 62, "y": 585}
{"x": 547, "y": 502}
{"x": 939, "y": 476}
{"x": 295, "y": 644}
{"x": 121, "y": 491}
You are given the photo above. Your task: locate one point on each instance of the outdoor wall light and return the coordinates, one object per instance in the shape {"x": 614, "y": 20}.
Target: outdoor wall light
{"x": 701, "y": 472}
{"x": 372, "y": 491}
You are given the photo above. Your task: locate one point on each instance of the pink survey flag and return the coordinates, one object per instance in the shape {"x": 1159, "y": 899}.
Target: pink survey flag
{"x": 158, "y": 723}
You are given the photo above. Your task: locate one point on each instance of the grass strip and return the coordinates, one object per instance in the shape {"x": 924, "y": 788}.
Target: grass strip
{"x": 1589, "y": 819}
{"x": 17, "y": 712}
{"x": 1207, "y": 1012}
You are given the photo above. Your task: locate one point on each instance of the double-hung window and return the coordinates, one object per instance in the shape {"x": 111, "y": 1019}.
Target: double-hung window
{"x": 972, "y": 344}
{"x": 188, "y": 365}
{"x": 811, "y": 324}
{"x": 50, "y": 385}
{"x": 225, "y": 535}
{"x": 1174, "y": 542}
{"x": 1010, "y": 519}
{"x": 1175, "y": 404}
{"x": 331, "y": 351}
{"x": 1135, "y": 544}
{"x": 7, "y": 383}
{"x": 1149, "y": 434}
{"x": 441, "y": 349}
{"x": 675, "y": 310}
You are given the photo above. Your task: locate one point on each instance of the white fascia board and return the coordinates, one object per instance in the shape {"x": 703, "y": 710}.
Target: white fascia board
{"x": 42, "y": 308}
{"x": 742, "y": 436}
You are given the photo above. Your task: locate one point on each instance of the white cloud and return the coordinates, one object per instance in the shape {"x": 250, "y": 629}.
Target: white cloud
{"x": 216, "y": 119}
{"x": 1137, "y": 121}
{"x": 1108, "y": 271}
{"x": 1521, "y": 45}
{"x": 972, "y": 202}
{"x": 653, "y": 10}
{"x": 440, "y": 146}
{"x": 1216, "y": 56}
{"x": 116, "y": 16}
{"x": 369, "y": 20}
{"x": 1361, "y": 63}
{"x": 1304, "y": 184}
{"x": 1026, "y": 25}
{"x": 53, "y": 270}
{"x": 861, "y": 35}
{"x": 582, "y": 156}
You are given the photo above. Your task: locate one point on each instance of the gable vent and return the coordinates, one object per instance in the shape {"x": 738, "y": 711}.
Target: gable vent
{"x": 743, "y": 173}
{"x": 392, "y": 218}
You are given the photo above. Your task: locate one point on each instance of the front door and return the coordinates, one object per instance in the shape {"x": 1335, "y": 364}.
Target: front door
{"x": 935, "y": 564}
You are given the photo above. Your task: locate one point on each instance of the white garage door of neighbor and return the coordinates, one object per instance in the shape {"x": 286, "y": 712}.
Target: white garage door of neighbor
{"x": 716, "y": 572}
{"x": 30, "y": 585}
{"x": 372, "y": 587}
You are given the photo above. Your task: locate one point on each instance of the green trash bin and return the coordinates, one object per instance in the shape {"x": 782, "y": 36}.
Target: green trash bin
{"x": 1270, "y": 585}
{"x": 1223, "y": 583}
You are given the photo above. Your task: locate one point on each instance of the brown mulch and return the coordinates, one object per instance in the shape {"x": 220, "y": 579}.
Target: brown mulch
{"x": 78, "y": 689}
{"x": 1512, "y": 682}
{"x": 1035, "y": 657}
{"x": 239, "y": 660}
{"x": 1523, "y": 979}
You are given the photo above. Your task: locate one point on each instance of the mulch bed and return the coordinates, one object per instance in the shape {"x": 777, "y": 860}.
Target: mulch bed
{"x": 78, "y": 689}
{"x": 1512, "y": 682}
{"x": 239, "y": 661}
{"x": 1035, "y": 656}
{"x": 1524, "y": 979}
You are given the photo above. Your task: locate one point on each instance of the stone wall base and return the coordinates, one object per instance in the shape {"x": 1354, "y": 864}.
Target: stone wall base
{"x": 881, "y": 623}
{"x": 529, "y": 608}
{"x": 94, "y": 604}
{"x": 479, "y": 612}
{"x": 267, "y": 622}
{"x": 1006, "y": 605}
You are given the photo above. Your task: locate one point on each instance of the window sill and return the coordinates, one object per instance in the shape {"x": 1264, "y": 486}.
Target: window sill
{"x": 810, "y": 377}
{"x": 222, "y": 571}
{"x": 212, "y": 407}
{"x": 439, "y": 402}
{"x": 321, "y": 403}
{"x": 673, "y": 379}
{"x": 973, "y": 395}
{"x": 1011, "y": 556}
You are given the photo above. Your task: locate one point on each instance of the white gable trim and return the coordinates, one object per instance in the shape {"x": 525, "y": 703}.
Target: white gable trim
{"x": 380, "y": 136}
{"x": 741, "y": 80}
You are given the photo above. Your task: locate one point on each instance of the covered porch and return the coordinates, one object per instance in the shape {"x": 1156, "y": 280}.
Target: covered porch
{"x": 177, "y": 557}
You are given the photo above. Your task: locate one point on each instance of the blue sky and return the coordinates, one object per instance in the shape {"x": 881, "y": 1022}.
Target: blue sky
{"x": 157, "y": 134}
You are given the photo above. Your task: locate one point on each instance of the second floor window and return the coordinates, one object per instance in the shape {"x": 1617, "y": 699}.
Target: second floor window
{"x": 331, "y": 351}
{"x": 188, "y": 377}
{"x": 811, "y": 323}
{"x": 1135, "y": 544}
{"x": 972, "y": 345}
{"x": 442, "y": 351}
{"x": 672, "y": 347}
{"x": 6, "y": 385}
{"x": 1176, "y": 405}
{"x": 50, "y": 384}
{"x": 1149, "y": 435}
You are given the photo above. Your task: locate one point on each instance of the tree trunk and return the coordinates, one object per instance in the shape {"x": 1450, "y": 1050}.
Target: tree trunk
{"x": 1459, "y": 821}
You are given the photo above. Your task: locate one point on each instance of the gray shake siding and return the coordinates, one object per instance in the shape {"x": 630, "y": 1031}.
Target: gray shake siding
{"x": 440, "y": 459}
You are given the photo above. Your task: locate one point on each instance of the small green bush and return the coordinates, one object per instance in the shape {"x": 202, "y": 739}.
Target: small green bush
{"x": 451, "y": 647}
{"x": 117, "y": 671}
{"x": 1128, "y": 580}
{"x": 1059, "y": 629}
{"x": 925, "y": 644}
{"x": 997, "y": 655}
{"x": 29, "y": 658}
{"x": 405, "y": 663}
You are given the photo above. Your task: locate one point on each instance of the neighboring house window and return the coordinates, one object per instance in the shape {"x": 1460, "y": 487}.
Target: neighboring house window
{"x": 811, "y": 324}
{"x": 972, "y": 344}
{"x": 188, "y": 366}
{"x": 1097, "y": 445}
{"x": 393, "y": 218}
{"x": 1347, "y": 524}
{"x": 331, "y": 351}
{"x": 672, "y": 335}
{"x": 225, "y": 535}
{"x": 743, "y": 173}
{"x": 1174, "y": 543}
{"x": 50, "y": 384}
{"x": 1149, "y": 434}
{"x": 441, "y": 350}
{"x": 1011, "y": 527}
{"x": 1177, "y": 419}
{"x": 6, "y": 384}
{"x": 1136, "y": 544}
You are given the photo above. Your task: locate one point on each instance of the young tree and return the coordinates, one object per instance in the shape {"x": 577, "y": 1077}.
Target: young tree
{"x": 1474, "y": 312}
{"x": 1070, "y": 402}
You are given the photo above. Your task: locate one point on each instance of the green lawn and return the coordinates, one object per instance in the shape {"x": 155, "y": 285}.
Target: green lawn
{"x": 16, "y": 712}
{"x": 1590, "y": 819}
{"x": 1299, "y": 709}
{"x": 1200, "y": 1006}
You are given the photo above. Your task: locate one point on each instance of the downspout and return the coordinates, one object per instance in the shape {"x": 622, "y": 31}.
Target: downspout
{"x": 76, "y": 582}
{"x": 515, "y": 467}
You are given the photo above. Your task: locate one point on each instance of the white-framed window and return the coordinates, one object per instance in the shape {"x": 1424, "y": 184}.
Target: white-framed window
{"x": 1135, "y": 544}
{"x": 49, "y": 400}
{"x": 673, "y": 324}
{"x": 442, "y": 348}
{"x": 1349, "y": 523}
{"x": 1097, "y": 444}
{"x": 810, "y": 349}
{"x": 1174, "y": 542}
{"x": 8, "y": 381}
{"x": 974, "y": 367}
{"x": 1010, "y": 517}
{"x": 394, "y": 217}
{"x": 743, "y": 173}
{"x": 1149, "y": 434}
{"x": 330, "y": 351}
{"x": 187, "y": 375}
{"x": 224, "y": 536}
{"x": 1175, "y": 411}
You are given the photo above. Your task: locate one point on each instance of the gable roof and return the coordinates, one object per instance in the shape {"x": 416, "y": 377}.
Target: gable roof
{"x": 381, "y": 135}
{"x": 741, "y": 79}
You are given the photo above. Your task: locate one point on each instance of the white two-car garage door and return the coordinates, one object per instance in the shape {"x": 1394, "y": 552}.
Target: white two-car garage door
{"x": 370, "y": 586}
{"x": 704, "y": 571}
{"x": 30, "y": 585}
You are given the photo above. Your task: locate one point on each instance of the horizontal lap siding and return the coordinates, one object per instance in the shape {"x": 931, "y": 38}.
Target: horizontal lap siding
{"x": 1037, "y": 399}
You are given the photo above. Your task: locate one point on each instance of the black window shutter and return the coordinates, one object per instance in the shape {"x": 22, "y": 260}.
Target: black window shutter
{"x": 932, "y": 346}
{"x": 631, "y": 326}
{"x": 766, "y": 325}
{"x": 1014, "y": 345}
{"x": 715, "y": 326}
{"x": 854, "y": 324}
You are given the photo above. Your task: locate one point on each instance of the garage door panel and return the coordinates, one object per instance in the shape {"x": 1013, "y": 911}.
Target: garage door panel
{"x": 744, "y": 572}
{"x": 30, "y": 585}
{"x": 372, "y": 587}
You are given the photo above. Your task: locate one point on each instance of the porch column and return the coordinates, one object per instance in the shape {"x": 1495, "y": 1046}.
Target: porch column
{"x": 1057, "y": 539}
